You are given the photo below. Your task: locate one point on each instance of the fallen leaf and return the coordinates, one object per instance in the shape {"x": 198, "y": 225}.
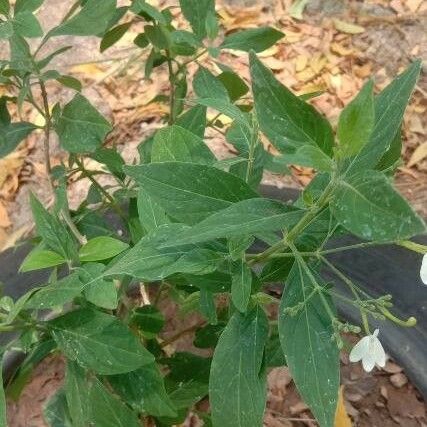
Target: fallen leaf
{"x": 416, "y": 125}
{"x": 419, "y": 154}
{"x": 8, "y": 241}
{"x": 341, "y": 417}
{"x": 4, "y": 216}
{"x": 341, "y": 49}
{"x": 90, "y": 70}
{"x": 297, "y": 8}
{"x": 348, "y": 27}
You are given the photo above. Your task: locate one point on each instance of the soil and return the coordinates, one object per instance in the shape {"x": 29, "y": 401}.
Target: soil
{"x": 393, "y": 34}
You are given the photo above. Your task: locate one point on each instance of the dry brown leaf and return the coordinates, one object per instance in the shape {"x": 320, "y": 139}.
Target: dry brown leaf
{"x": 300, "y": 62}
{"x": 341, "y": 50}
{"x": 9, "y": 172}
{"x": 8, "y": 241}
{"x": 416, "y": 125}
{"x": 4, "y": 216}
{"x": 347, "y": 27}
{"x": 418, "y": 155}
{"x": 318, "y": 63}
{"x": 341, "y": 417}
{"x": 90, "y": 70}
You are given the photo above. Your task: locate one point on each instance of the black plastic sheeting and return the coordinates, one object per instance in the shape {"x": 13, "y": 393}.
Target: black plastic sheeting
{"x": 378, "y": 270}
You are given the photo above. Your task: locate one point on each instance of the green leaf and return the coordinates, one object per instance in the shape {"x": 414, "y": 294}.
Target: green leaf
{"x": 196, "y": 13}
{"x": 102, "y": 293}
{"x": 99, "y": 342}
{"x": 189, "y": 192}
{"x": 52, "y": 231}
{"x": 76, "y": 393}
{"x": 3, "y": 419}
{"x": 11, "y": 134}
{"x": 110, "y": 158}
{"x": 184, "y": 43}
{"x": 237, "y": 386}
{"x": 311, "y": 354}
{"x": 276, "y": 270}
{"x": 194, "y": 120}
{"x": 151, "y": 215}
{"x": 274, "y": 357}
{"x": 147, "y": 260}
{"x": 241, "y": 285}
{"x": 206, "y": 85}
{"x": 56, "y": 294}
{"x": 286, "y": 120}
{"x": 148, "y": 319}
{"x": 26, "y": 25}
{"x": 207, "y": 306}
{"x": 56, "y": 412}
{"x": 390, "y": 160}
{"x": 105, "y": 410}
{"x": 70, "y": 82}
{"x": 356, "y": 122}
{"x": 145, "y": 391}
{"x": 368, "y": 206}
{"x": 212, "y": 26}
{"x": 256, "y": 39}
{"x": 390, "y": 106}
{"x": 100, "y": 248}
{"x": 245, "y": 138}
{"x": 159, "y": 36}
{"x": 112, "y": 36}
{"x": 6, "y": 29}
{"x": 310, "y": 156}
{"x": 27, "y": 5}
{"x": 80, "y": 127}
{"x": 141, "y": 7}
{"x": 237, "y": 246}
{"x": 41, "y": 258}
{"x": 4, "y": 10}
{"x": 175, "y": 143}
{"x": 240, "y": 219}
{"x": 224, "y": 107}
{"x": 93, "y": 19}
{"x": 236, "y": 87}
{"x": 207, "y": 336}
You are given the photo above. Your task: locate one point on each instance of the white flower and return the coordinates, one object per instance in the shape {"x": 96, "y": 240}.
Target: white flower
{"x": 370, "y": 351}
{"x": 423, "y": 271}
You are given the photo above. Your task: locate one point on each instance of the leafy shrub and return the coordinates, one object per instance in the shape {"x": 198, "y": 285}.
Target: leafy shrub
{"x": 190, "y": 222}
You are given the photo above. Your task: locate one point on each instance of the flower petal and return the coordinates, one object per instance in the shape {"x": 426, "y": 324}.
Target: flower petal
{"x": 379, "y": 353}
{"x": 423, "y": 271}
{"x": 368, "y": 362}
{"x": 360, "y": 350}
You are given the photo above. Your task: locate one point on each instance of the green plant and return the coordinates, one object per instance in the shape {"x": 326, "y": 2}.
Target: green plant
{"x": 190, "y": 223}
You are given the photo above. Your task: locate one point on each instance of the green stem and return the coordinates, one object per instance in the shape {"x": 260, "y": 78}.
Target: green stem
{"x": 172, "y": 89}
{"x": 107, "y": 195}
{"x": 352, "y": 287}
{"x": 47, "y": 129}
{"x": 316, "y": 286}
{"x": 298, "y": 228}
{"x": 415, "y": 247}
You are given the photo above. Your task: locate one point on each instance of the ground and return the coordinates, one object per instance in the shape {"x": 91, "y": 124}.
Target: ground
{"x": 335, "y": 47}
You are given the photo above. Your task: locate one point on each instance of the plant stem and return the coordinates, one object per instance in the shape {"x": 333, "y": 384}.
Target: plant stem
{"x": 47, "y": 129}
{"x": 349, "y": 247}
{"x": 106, "y": 194}
{"x": 172, "y": 89}
{"x": 316, "y": 286}
{"x": 352, "y": 287}
{"x": 298, "y": 228}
